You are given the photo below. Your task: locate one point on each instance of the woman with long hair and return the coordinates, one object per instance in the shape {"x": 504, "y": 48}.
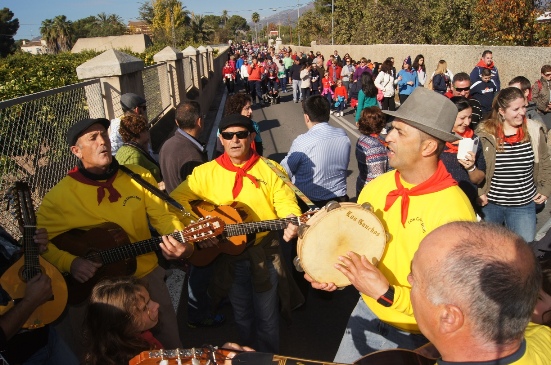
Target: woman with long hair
{"x": 367, "y": 96}
{"x": 518, "y": 169}
{"x": 542, "y": 312}
{"x": 385, "y": 82}
{"x": 371, "y": 152}
{"x": 419, "y": 66}
{"x": 441, "y": 78}
{"x": 468, "y": 171}
{"x": 118, "y": 320}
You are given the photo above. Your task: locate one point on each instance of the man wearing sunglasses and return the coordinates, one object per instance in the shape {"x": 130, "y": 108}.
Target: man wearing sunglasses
{"x": 241, "y": 179}
{"x": 461, "y": 86}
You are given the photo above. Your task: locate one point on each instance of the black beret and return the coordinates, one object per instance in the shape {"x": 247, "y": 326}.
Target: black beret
{"x": 236, "y": 120}
{"x": 76, "y": 129}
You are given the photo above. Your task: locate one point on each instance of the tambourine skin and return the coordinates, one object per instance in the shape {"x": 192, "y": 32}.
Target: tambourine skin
{"x": 330, "y": 234}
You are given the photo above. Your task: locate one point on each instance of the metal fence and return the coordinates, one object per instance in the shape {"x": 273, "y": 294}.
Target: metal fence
{"x": 32, "y": 138}
{"x": 156, "y": 90}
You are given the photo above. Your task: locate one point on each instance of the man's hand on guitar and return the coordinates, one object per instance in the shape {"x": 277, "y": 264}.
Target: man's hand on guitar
{"x": 320, "y": 286}
{"x": 234, "y": 346}
{"x": 363, "y": 275}
{"x": 82, "y": 269}
{"x": 38, "y": 290}
{"x": 41, "y": 239}
{"x": 291, "y": 231}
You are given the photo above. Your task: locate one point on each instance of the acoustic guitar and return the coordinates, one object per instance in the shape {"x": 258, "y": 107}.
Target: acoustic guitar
{"x": 14, "y": 280}
{"x": 234, "y": 240}
{"x": 109, "y": 245}
{"x": 215, "y": 355}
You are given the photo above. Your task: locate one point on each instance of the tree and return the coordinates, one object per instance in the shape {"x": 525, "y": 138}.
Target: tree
{"x": 8, "y": 28}
{"x": 170, "y": 17}
{"x": 224, "y": 17}
{"x": 201, "y": 29}
{"x": 108, "y": 25}
{"x": 57, "y": 33}
{"x": 255, "y": 17}
{"x": 146, "y": 12}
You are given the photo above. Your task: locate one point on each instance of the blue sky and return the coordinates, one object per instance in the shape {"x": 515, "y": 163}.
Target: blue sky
{"x": 31, "y": 13}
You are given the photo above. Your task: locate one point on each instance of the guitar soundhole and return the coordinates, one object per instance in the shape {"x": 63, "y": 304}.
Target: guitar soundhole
{"x": 28, "y": 274}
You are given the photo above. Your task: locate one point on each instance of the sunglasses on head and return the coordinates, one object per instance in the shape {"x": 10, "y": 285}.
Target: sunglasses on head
{"x": 240, "y": 135}
{"x": 459, "y": 89}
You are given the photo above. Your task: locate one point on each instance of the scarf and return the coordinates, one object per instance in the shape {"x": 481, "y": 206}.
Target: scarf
{"x": 240, "y": 172}
{"x": 148, "y": 337}
{"x": 80, "y": 174}
{"x": 453, "y": 147}
{"x": 378, "y": 137}
{"x": 440, "y": 180}
{"x": 483, "y": 64}
{"x": 517, "y": 137}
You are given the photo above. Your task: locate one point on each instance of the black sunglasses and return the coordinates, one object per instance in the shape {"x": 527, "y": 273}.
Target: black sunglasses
{"x": 229, "y": 135}
{"x": 459, "y": 89}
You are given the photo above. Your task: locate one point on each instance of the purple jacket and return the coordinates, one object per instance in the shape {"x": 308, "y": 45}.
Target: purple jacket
{"x": 359, "y": 71}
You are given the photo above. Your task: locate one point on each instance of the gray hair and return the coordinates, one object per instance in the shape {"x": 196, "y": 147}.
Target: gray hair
{"x": 498, "y": 296}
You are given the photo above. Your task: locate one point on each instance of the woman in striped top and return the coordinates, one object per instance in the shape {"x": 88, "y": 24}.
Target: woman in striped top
{"x": 518, "y": 169}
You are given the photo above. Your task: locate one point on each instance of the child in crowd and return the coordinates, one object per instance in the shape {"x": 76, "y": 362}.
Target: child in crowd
{"x": 326, "y": 89}
{"x": 340, "y": 97}
{"x": 484, "y": 91}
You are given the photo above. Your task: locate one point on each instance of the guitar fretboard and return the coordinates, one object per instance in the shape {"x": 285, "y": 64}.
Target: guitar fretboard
{"x": 255, "y": 227}
{"x": 31, "y": 254}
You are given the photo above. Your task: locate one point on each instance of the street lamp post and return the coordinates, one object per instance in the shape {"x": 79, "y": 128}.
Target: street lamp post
{"x": 332, "y": 20}
{"x": 298, "y": 20}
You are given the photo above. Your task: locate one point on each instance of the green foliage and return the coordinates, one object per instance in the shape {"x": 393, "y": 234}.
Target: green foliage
{"x": 24, "y": 73}
{"x": 8, "y": 28}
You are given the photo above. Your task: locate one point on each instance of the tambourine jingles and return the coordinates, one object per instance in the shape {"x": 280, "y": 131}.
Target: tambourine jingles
{"x": 334, "y": 231}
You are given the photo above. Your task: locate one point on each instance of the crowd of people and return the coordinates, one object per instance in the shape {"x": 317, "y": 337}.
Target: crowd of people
{"x": 476, "y": 291}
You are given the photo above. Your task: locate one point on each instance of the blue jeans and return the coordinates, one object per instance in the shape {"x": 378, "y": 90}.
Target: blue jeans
{"x": 256, "y": 314}
{"x": 56, "y": 352}
{"x": 283, "y": 83}
{"x": 519, "y": 219}
{"x": 199, "y": 304}
{"x": 365, "y": 334}
{"x": 256, "y": 91}
{"x": 297, "y": 92}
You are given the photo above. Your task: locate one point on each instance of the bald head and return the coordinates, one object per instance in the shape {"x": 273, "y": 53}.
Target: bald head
{"x": 485, "y": 270}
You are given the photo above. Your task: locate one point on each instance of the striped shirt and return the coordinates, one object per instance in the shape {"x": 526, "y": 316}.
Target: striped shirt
{"x": 513, "y": 180}
{"x": 318, "y": 161}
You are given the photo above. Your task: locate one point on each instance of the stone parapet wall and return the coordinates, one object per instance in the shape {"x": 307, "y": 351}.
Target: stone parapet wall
{"x": 510, "y": 61}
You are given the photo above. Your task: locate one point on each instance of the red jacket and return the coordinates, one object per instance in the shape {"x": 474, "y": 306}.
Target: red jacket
{"x": 340, "y": 91}
{"x": 331, "y": 70}
{"x": 255, "y": 74}
{"x": 228, "y": 70}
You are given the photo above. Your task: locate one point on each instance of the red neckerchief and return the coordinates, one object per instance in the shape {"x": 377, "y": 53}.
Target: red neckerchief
{"x": 453, "y": 147}
{"x": 440, "y": 180}
{"x": 517, "y": 137}
{"x": 151, "y": 340}
{"x": 483, "y": 64}
{"x": 240, "y": 172}
{"x": 114, "y": 195}
{"x": 383, "y": 142}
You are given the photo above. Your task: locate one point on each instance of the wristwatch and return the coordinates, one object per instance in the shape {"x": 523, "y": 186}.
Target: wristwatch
{"x": 387, "y": 299}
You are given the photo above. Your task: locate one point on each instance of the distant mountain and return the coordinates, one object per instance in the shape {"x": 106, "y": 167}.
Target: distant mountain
{"x": 285, "y": 16}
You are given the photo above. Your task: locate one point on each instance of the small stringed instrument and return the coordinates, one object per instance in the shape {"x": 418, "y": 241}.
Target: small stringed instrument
{"x": 214, "y": 355}
{"x": 109, "y": 245}
{"x": 235, "y": 231}
{"x": 14, "y": 280}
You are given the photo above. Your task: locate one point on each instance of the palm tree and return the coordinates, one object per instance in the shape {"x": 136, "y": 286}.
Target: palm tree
{"x": 201, "y": 29}
{"x": 224, "y": 16}
{"x": 255, "y": 17}
{"x": 46, "y": 31}
{"x": 62, "y": 30}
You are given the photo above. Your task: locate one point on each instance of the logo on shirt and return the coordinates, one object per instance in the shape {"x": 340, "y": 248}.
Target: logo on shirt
{"x": 130, "y": 197}
{"x": 418, "y": 221}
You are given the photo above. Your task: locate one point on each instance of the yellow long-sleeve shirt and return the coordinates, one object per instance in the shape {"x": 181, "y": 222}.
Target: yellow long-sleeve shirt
{"x": 212, "y": 183}
{"x": 72, "y": 204}
{"x": 426, "y": 212}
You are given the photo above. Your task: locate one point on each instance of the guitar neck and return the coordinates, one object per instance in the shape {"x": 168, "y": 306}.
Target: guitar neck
{"x": 132, "y": 250}
{"x": 31, "y": 253}
{"x": 239, "y": 229}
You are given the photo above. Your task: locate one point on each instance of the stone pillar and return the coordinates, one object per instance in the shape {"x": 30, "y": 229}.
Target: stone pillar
{"x": 192, "y": 79}
{"x": 175, "y": 73}
{"x": 278, "y": 43}
{"x": 210, "y": 55}
{"x": 204, "y": 68}
{"x": 119, "y": 73}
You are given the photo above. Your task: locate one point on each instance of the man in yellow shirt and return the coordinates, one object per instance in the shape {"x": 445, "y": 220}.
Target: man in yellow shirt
{"x": 474, "y": 287}
{"x": 417, "y": 197}
{"x": 254, "y": 279}
{"x": 95, "y": 192}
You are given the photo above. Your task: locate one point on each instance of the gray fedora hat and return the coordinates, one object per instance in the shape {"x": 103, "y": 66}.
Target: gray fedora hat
{"x": 429, "y": 112}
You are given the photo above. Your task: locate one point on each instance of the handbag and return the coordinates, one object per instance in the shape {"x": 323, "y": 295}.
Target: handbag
{"x": 380, "y": 95}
